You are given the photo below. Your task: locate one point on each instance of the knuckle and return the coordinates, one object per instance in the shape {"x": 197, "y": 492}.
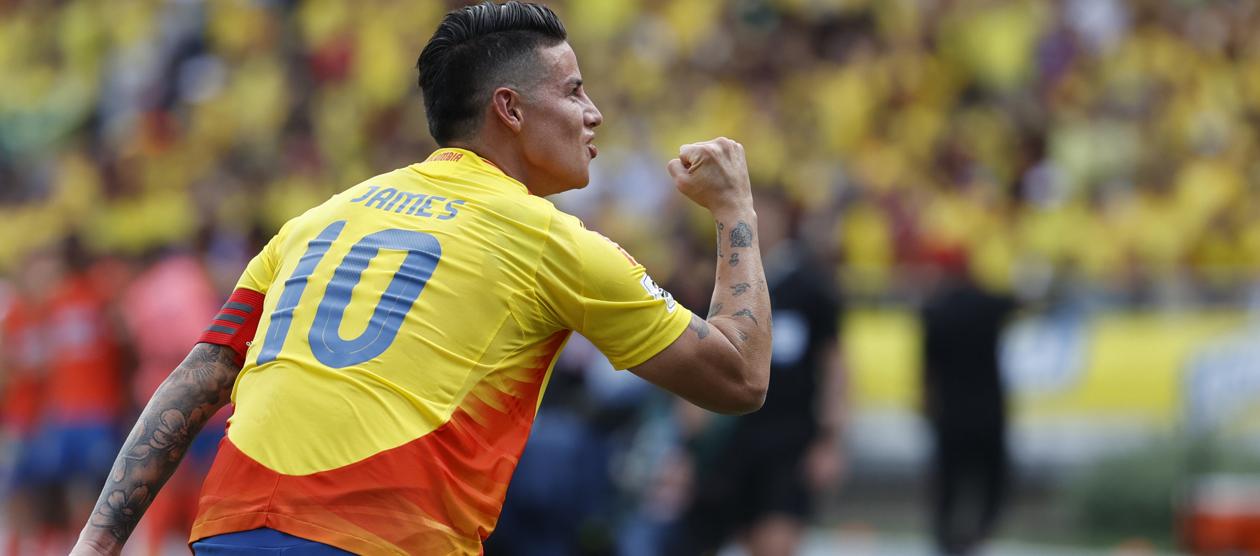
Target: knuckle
{"x": 727, "y": 145}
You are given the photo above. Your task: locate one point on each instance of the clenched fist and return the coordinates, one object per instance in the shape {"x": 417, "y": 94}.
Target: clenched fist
{"x": 714, "y": 174}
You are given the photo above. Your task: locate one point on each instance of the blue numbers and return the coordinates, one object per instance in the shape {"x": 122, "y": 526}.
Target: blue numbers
{"x": 282, "y": 317}
{"x": 423, "y": 253}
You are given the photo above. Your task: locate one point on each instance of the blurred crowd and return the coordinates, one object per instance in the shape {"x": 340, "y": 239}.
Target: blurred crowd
{"x": 1111, "y": 143}
{"x": 147, "y": 148}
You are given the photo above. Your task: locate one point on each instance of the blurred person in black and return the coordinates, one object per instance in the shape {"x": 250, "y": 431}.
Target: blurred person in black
{"x": 761, "y": 486}
{"x": 964, "y": 400}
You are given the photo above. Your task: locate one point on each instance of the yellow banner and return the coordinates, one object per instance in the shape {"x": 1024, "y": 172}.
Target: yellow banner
{"x": 1151, "y": 367}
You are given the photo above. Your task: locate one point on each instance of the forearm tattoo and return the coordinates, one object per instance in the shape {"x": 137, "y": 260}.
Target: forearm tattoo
{"x": 732, "y": 239}
{"x": 747, "y": 313}
{"x": 181, "y": 406}
{"x": 741, "y": 235}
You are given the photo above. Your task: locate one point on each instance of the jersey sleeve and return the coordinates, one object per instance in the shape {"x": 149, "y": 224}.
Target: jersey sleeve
{"x": 261, "y": 270}
{"x": 237, "y": 322}
{"x": 592, "y": 286}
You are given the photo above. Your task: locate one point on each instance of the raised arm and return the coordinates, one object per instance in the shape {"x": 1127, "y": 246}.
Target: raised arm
{"x": 721, "y": 363}
{"x": 192, "y": 394}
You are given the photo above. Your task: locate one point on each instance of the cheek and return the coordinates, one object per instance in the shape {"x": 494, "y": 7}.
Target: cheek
{"x": 548, "y": 135}
{"x": 555, "y": 143}
{"x": 551, "y": 150}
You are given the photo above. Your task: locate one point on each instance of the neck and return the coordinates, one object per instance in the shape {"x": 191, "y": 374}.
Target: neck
{"x": 507, "y": 159}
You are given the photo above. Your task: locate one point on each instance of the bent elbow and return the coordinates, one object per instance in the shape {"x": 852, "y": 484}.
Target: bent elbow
{"x": 748, "y": 396}
{"x": 754, "y": 397}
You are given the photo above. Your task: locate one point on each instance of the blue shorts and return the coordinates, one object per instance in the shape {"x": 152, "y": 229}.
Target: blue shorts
{"x": 262, "y": 541}
{"x": 63, "y": 452}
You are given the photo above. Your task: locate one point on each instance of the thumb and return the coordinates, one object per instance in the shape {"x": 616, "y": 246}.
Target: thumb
{"x": 691, "y": 155}
{"x": 676, "y": 169}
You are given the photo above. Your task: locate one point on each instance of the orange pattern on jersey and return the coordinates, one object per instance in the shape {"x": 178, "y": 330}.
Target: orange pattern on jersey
{"x": 438, "y": 494}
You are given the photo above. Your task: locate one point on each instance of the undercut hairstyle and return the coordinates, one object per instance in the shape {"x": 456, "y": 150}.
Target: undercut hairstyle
{"x": 475, "y": 50}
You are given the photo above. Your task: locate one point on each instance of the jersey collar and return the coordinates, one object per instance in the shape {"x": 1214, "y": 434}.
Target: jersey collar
{"x": 465, "y": 159}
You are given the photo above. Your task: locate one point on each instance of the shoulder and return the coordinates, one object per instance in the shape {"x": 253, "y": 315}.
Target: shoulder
{"x": 561, "y": 222}
{"x": 569, "y": 231}
{"x": 536, "y": 210}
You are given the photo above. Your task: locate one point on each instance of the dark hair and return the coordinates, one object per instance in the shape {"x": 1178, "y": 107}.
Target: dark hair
{"x": 475, "y": 50}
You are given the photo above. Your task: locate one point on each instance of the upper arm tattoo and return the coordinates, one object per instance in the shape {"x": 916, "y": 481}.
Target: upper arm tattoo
{"x": 715, "y": 309}
{"x": 699, "y": 326}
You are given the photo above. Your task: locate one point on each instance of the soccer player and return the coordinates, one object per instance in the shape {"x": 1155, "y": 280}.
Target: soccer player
{"x": 386, "y": 351}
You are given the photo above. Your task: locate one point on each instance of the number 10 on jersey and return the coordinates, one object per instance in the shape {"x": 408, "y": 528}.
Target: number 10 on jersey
{"x": 423, "y": 253}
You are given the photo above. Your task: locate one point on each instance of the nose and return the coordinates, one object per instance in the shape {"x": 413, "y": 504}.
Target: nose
{"x": 593, "y": 116}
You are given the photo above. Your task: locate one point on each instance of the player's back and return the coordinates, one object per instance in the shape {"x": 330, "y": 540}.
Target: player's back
{"x": 401, "y": 292}
{"x": 407, "y": 329}
{"x": 400, "y": 328}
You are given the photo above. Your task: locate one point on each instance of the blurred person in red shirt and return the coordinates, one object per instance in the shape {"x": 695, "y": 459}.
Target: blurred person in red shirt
{"x": 76, "y": 433}
{"x": 168, "y": 305}
{"x": 23, "y": 370}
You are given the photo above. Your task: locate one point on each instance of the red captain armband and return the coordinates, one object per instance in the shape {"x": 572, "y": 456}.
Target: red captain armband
{"x": 236, "y": 323}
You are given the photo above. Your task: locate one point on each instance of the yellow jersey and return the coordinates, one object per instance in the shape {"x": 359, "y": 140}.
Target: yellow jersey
{"x": 408, "y": 328}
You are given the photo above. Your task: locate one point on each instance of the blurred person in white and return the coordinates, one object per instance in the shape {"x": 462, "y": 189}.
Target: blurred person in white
{"x": 763, "y": 485}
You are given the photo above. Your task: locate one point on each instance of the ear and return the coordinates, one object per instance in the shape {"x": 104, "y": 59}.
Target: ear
{"x": 506, "y": 104}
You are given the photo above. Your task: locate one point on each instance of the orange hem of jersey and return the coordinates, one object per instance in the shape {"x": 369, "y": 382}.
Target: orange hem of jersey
{"x": 286, "y": 524}
{"x": 481, "y": 442}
